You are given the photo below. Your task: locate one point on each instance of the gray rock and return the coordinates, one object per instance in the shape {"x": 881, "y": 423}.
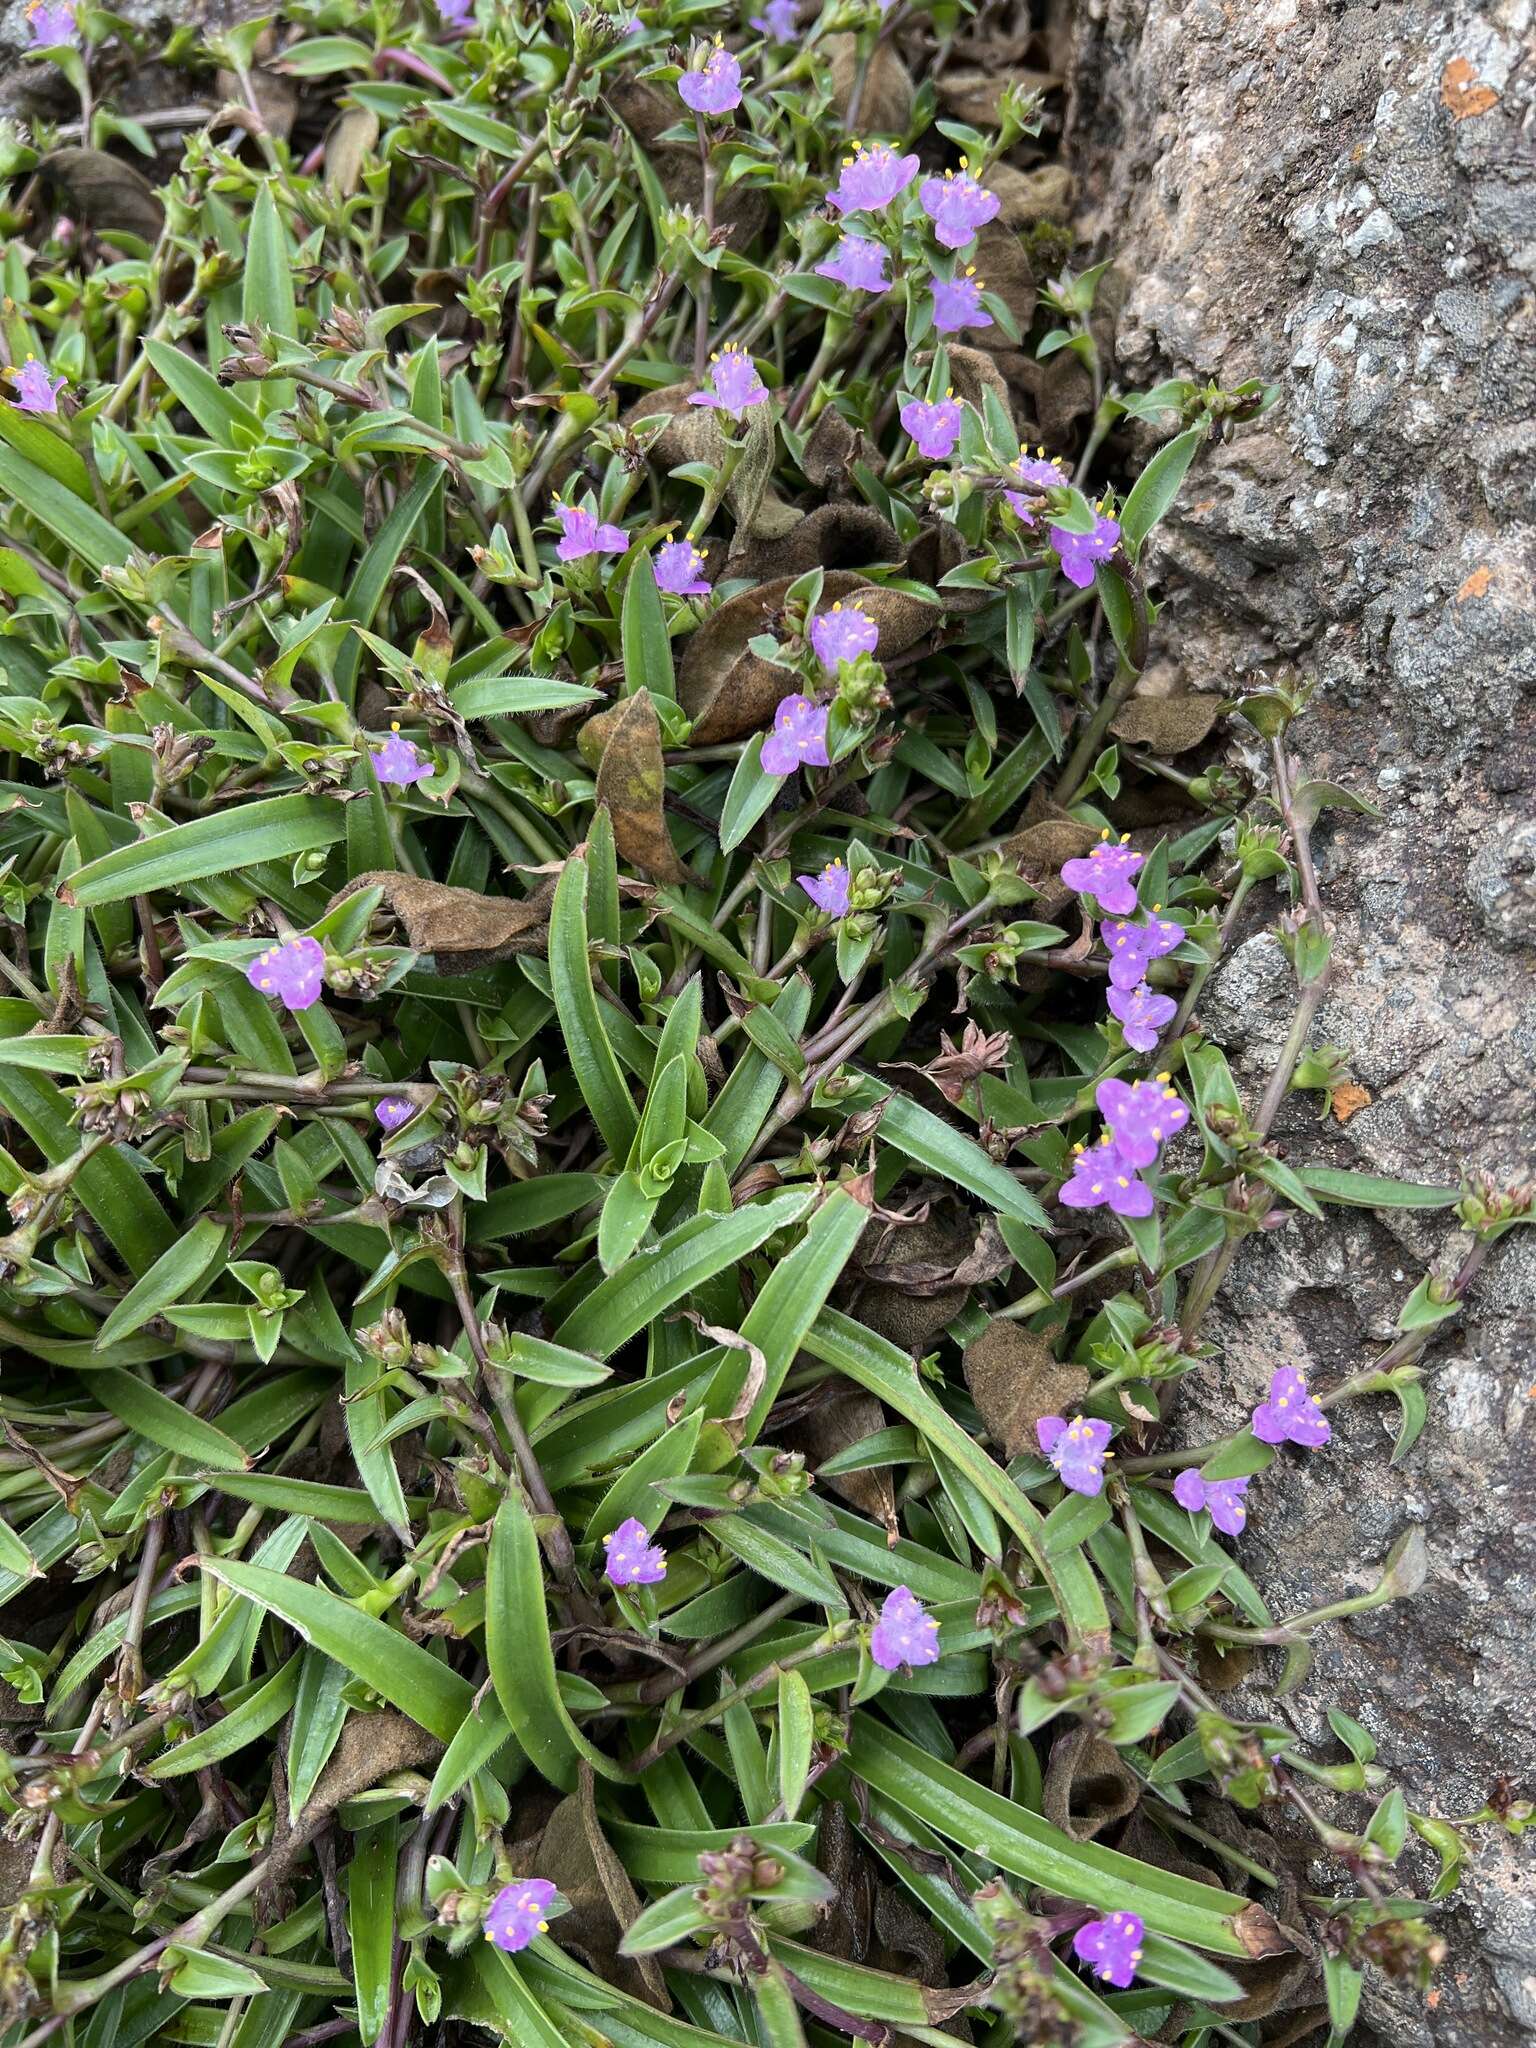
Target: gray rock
{"x": 1340, "y": 196}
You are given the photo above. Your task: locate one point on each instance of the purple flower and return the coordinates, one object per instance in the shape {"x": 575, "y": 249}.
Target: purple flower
{"x": 934, "y": 427}
{"x": 779, "y": 19}
{"x": 53, "y": 24}
{"x": 1290, "y": 1415}
{"x": 633, "y": 1559}
{"x": 871, "y": 179}
{"x": 798, "y": 739}
{"x": 858, "y": 263}
{"x": 957, "y": 303}
{"x": 1042, "y": 470}
{"x": 519, "y": 1912}
{"x": 1103, "y": 1178}
{"x": 1077, "y": 1449}
{"x": 293, "y": 972}
{"x": 679, "y": 570}
{"x": 843, "y": 634}
{"x": 1142, "y": 1014}
{"x": 394, "y": 1110}
{"x": 1132, "y": 946}
{"x": 904, "y": 1634}
{"x": 715, "y": 87}
{"x": 582, "y": 535}
{"x": 1222, "y": 1497}
{"x": 736, "y": 384}
{"x": 1143, "y": 1115}
{"x": 35, "y": 392}
{"x": 399, "y": 762}
{"x": 456, "y": 13}
{"x": 828, "y": 890}
{"x": 1111, "y": 1948}
{"x": 1106, "y": 874}
{"x": 1078, "y": 552}
{"x": 957, "y": 207}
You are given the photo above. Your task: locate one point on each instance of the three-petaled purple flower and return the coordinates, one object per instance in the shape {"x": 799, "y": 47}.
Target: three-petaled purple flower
{"x": 1079, "y": 553}
{"x": 1042, "y": 470}
{"x": 1133, "y": 946}
{"x": 843, "y": 634}
{"x": 1290, "y": 1415}
{"x": 394, "y": 1110}
{"x": 1077, "y": 1449}
{"x": 736, "y": 384}
{"x": 858, "y": 263}
{"x": 957, "y": 303}
{"x": 904, "y": 1634}
{"x": 828, "y": 890}
{"x": 1142, "y": 1013}
{"x": 957, "y": 207}
{"x": 679, "y": 570}
{"x": 53, "y": 25}
{"x": 456, "y": 13}
{"x": 934, "y": 425}
{"x": 400, "y": 762}
{"x": 1143, "y": 1115}
{"x": 1103, "y": 1178}
{"x": 36, "y": 391}
{"x": 1222, "y": 1498}
{"x": 294, "y": 972}
{"x": 871, "y": 179}
{"x": 632, "y": 1558}
{"x": 778, "y": 20}
{"x": 1105, "y": 875}
{"x": 583, "y": 534}
{"x": 798, "y": 739}
{"x": 715, "y": 86}
{"x": 1111, "y": 1948}
{"x": 520, "y": 1912}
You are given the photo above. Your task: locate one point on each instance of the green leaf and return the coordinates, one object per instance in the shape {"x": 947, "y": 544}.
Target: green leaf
{"x": 1371, "y": 1191}
{"x": 516, "y": 696}
{"x": 646, "y": 647}
{"x": 576, "y": 1005}
{"x": 795, "y": 1733}
{"x": 220, "y": 414}
{"x": 520, "y": 1655}
{"x": 165, "y": 1422}
{"x": 940, "y": 1148}
{"x": 194, "y": 1973}
{"x": 243, "y": 836}
{"x": 402, "y": 1672}
{"x": 619, "y": 1307}
{"x": 371, "y": 1923}
{"x": 253, "y": 1717}
{"x": 482, "y": 1737}
{"x": 751, "y": 792}
{"x": 318, "y": 1716}
{"x": 1155, "y": 489}
{"x": 172, "y": 1278}
{"x": 79, "y": 526}
{"x": 1023, "y": 1844}
{"x": 792, "y": 1297}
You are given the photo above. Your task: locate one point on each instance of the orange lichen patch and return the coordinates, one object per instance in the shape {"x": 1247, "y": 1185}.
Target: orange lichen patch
{"x": 1476, "y": 584}
{"x": 1464, "y": 92}
{"x": 1347, "y": 1099}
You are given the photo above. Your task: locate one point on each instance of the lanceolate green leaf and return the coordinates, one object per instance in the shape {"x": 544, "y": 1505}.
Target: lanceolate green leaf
{"x": 650, "y": 1283}
{"x": 409, "y": 1677}
{"x": 520, "y": 1655}
{"x": 570, "y": 968}
{"x": 172, "y": 1278}
{"x": 274, "y": 829}
{"x": 942, "y": 1149}
{"x": 1018, "y": 1841}
{"x": 166, "y": 1422}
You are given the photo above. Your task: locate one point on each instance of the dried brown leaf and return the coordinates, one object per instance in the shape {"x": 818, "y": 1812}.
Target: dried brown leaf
{"x": 885, "y": 96}
{"x": 632, "y": 785}
{"x": 348, "y": 141}
{"x": 1166, "y": 725}
{"x": 460, "y": 927}
{"x": 1014, "y": 1381}
{"x": 1088, "y": 1785}
{"x": 110, "y": 194}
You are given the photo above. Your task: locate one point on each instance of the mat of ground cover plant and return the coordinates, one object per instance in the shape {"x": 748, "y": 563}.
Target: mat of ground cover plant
{"x": 622, "y": 1203}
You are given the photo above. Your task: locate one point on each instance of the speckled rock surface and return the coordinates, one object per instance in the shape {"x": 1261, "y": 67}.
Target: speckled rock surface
{"x": 1343, "y": 198}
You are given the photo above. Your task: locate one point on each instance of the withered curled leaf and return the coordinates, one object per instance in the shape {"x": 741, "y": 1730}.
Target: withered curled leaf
{"x": 460, "y": 928}
{"x": 632, "y": 785}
